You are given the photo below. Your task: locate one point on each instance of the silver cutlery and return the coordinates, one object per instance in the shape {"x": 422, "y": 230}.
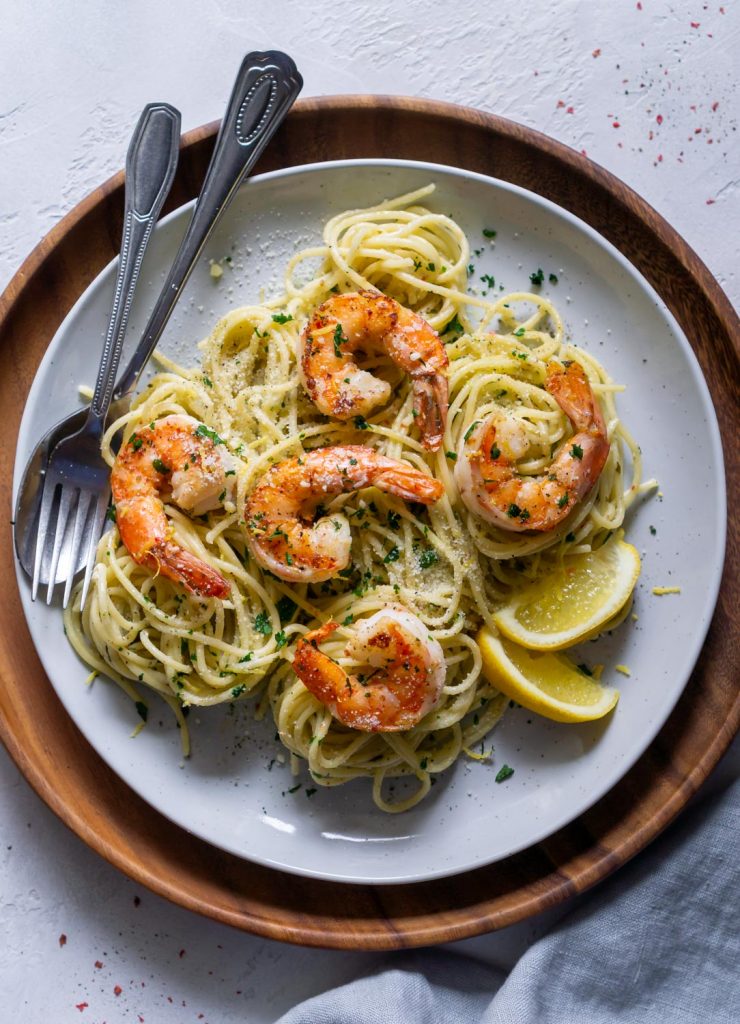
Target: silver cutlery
{"x": 265, "y": 89}
{"x": 74, "y": 494}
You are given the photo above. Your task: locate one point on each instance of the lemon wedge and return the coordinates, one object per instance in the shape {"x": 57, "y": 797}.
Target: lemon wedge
{"x": 576, "y": 601}
{"x": 548, "y": 684}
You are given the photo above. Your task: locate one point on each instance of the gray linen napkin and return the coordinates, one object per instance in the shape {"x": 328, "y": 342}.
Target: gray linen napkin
{"x": 657, "y": 942}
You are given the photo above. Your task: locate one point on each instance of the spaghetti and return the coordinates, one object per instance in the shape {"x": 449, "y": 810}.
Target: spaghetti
{"x": 442, "y": 563}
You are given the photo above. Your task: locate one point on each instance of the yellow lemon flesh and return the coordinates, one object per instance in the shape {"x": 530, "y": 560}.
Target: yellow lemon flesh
{"x": 548, "y": 684}
{"x": 574, "y": 602}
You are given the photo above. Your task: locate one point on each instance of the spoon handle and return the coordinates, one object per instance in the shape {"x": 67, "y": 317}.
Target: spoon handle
{"x": 265, "y": 89}
{"x": 151, "y": 162}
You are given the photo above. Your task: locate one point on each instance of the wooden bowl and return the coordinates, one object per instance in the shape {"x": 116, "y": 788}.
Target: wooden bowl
{"x": 109, "y": 817}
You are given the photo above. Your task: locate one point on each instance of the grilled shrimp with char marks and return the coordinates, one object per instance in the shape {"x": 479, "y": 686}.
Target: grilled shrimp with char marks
{"x": 402, "y": 683}
{"x": 279, "y": 512}
{"x": 175, "y": 457}
{"x": 370, "y": 322}
{"x": 486, "y": 474}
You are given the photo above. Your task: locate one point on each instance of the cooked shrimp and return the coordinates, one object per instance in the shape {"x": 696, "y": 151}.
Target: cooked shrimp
{"x": 404, "y": 680}
{"x": 280, "y": 510}
{"x": 371, "y": 322}
{"x": 182, "y": 459}
{"x": 487, "y": 477}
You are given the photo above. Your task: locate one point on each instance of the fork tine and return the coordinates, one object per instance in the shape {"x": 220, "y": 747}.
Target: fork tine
{"x": 47, "y": 501}
{"x": 66, "y": 498}
{"x": 80, "y": 518}
{"x": 94, "y": 534}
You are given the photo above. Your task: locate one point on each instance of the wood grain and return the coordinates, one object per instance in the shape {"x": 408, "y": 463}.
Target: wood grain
{"x": 109, "y": 817}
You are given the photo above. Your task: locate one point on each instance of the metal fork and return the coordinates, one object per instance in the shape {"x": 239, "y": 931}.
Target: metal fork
{"x": 266, "y": 87}
{"x": 76, "y": 483}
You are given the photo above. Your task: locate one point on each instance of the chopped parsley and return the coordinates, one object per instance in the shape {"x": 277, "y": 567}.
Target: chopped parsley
{"x": 207, "y": 381}
{"x": 488, "y": 280}
{"x": 489, "y": 233}
{"x": 393, "y": 555}
{"x": 563, "y": 500}
{"x": 142, "y": 709}
{"x": 110, "y": 513}
{"x": 471, "y": 428}
{"x": 338, "y": 339}
{"x": 552, "y": 278}
{"x": 361, "y": 423}
{"x": 247, "y": 657}
{"x": 394, "y": 519}
{"x": 576, "y": 451}
{"x": 310, "y": 792}
{"x": 538, "y": 277}
{"x": 348, "y": 620}
{"x": 653, "y": 531}
{"x": 430, "y": 266}
{"x": 495, "y": 452}
{"x": 513, "y": 511}
{"x": 203, "y": 431}
{"x": 281, "y": 639}
{"x": 282, "y": 318}
{"x": 452, "y": 456}
{"x": 504, "y": 773}
{"x": 135, "y": 442}
{"x": 428, "y": 557}
{"x": 238, "y": 690}
{"x": 519, "y": 333}
{"x": 262, "y": 623}
{"x": 585, "y": 669}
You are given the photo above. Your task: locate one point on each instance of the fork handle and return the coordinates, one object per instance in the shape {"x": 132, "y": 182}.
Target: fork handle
{"x": 265, "y": 89}
{"x": 151, "y": 162}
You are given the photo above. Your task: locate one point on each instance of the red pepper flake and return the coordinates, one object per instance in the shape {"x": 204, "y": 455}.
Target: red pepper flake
{"x": 711, "y": 202}
{"x": 596, "y": 53}
{"x": 695, "y": 24}
{"x": 98, "y": 964}
{"x": 169, "y": 999}
{"x": 698, "y": 131}
{"x": 62, "y": 939}
{"x": 569, "y": 110}
{"x": 560, "y": 104}
{"x": 660, "y": 158}
{"x": 181, "y": 954}
{"x": 639, "y": 5}
{"x": 117, "y": 990}
{"x": 141, "y": 1019}
{"x": 659, "y": 119}
{"x": 81, "y": 1006}
{"x": 715, "y": 105}
{"x": 584, "y": 153}
{"x": 616, "y": 124}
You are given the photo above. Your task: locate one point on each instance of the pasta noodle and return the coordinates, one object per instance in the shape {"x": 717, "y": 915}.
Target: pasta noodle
{"x": 445, "y": 565}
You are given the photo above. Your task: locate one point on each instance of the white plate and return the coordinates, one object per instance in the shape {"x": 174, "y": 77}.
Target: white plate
{"x": 227, "y": 793}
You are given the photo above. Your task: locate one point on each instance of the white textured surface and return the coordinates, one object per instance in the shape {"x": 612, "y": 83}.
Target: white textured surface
{"x": 647, "y": 90}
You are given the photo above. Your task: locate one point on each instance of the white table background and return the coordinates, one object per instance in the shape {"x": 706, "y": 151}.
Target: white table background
{"x": 645, "y": 89}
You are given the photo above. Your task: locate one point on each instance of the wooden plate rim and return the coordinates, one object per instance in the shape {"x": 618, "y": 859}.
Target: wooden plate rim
{"x": 389, "y": 928}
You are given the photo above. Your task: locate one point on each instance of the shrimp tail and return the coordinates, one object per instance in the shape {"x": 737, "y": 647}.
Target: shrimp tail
{"x": 430, "y": 408}
{"x": 195, "y": 575}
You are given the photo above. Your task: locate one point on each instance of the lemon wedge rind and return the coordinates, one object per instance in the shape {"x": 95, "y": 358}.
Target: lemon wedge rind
{"x": 548, "y": 684}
